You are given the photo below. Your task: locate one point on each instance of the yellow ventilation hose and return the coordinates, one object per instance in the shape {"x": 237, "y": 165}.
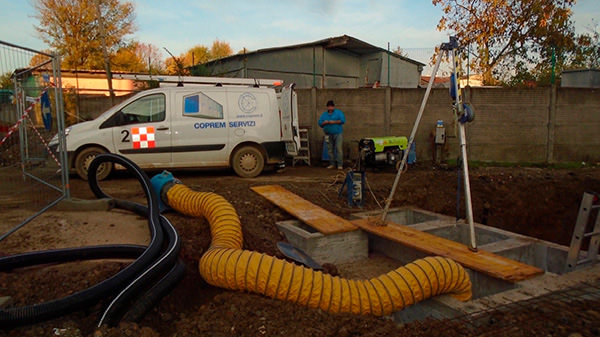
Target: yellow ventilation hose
{"x": 226, "y": 265}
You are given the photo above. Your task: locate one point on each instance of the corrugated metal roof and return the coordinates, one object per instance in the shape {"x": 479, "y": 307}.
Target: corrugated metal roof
{"x": 344, "y": 42}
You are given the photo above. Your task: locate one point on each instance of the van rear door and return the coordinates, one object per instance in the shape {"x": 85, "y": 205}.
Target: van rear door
{"x": 288, "y": 115}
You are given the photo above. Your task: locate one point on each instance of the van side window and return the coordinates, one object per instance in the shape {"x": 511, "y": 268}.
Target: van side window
{"x": 201, "y": 106}
{"x": 149, "y": 108}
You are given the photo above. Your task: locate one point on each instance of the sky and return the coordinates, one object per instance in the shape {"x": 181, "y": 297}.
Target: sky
{"x": 180, "y": 24}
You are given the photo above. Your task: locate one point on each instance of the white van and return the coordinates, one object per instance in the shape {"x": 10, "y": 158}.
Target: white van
{"x": 245, "y": 127}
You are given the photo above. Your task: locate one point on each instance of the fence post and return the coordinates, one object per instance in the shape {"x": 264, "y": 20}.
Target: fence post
{"x": 551, "y": 124}
{"x": 60, "y": 120}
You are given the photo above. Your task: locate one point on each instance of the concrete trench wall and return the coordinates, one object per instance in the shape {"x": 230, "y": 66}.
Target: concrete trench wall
{"x": 487, "y": 290}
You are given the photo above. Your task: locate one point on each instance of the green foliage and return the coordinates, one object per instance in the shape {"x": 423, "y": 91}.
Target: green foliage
{"x": 587, "y": 52}
{"x": 197, "y": 55}
{"x": 138, "y": 57}
{"x": 504, "y": 32}
{"x": 5, "y": 81}
{"x": 220, "y": 49}
{"x": 71, "y": 27}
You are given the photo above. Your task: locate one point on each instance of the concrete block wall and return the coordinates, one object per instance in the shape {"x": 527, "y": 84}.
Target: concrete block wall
{"x": 577, "y": 125}
{"x": 511, "y": 124}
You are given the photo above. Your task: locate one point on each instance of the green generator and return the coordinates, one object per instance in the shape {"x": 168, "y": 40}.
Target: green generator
{"x": 381, "y": 151}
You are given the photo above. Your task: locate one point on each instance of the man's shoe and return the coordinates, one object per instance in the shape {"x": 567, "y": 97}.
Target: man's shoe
{"x": 340, "y": 167}
{"x": 330, "y": 166}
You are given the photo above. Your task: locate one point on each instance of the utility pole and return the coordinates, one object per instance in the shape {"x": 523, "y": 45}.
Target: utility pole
{"x": 105, "y": 52}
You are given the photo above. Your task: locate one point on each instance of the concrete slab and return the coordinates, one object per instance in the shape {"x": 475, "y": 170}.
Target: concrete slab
{"x": 488, "y": 292}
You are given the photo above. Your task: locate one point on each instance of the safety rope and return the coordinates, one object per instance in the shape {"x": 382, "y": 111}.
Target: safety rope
{"x": 43, "y": 142}
{"x": 25, "y": 114}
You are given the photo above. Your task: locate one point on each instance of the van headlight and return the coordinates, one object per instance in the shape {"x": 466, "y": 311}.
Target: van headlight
{"x": 54, "y": 140}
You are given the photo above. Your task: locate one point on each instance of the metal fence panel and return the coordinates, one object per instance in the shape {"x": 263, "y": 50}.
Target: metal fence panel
{"x": 33, "y": 178}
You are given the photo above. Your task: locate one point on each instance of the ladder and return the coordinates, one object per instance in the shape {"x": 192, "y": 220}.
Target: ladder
{"x": 589, "y": 202}
{"x": 304, "y": 150}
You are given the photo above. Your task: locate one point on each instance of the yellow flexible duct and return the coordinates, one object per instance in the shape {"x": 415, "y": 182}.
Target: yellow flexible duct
{"x": 226, "y": 265}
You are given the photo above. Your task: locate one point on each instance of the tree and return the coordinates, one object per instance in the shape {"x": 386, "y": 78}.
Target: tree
{"x": 503, "y": 32}
{"x": 176, "y": 66}
{"x": 126, "y": 59}
{"x": 71, "y": 27}
{"x": 587, "y": 51}
{"x": 152, "y": 57}
{"x": 220, "y": 49}
{"x": 197, "y": 55}
{"x": 38, "y": 59}
{"x": 138, "y": 57}
{"x": 6, "y": 81}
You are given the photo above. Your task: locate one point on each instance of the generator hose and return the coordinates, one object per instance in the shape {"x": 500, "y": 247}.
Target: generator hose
{"x": 226, "y": 265}
{"x": 150, "y": 262}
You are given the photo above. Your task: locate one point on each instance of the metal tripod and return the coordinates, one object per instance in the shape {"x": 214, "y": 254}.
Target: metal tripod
{"x": 464, "y": 115}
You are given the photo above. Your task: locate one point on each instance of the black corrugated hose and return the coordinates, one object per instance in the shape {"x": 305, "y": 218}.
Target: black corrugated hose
{"x": 147, "y": 279}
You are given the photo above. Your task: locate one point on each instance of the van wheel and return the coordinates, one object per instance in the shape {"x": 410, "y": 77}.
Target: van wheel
{"x": 248, "y": 162}
{"x": 84, "y": 159}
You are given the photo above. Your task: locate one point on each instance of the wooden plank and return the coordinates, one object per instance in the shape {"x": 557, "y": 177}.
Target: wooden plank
{"x": 307, "y": 212}
{"x": 485, "y": 262}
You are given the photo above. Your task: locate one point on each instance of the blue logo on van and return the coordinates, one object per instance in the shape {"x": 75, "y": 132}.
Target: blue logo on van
{"x": 247, "y": 102}
{"x": 210, "y": 125}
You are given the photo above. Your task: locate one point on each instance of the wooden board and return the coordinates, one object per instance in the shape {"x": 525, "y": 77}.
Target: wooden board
{"x": 481, "y": 261}
{"x": 307, "y": 212}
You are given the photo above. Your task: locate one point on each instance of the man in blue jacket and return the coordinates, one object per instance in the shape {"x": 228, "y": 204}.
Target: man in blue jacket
{"x": 331, "y": 121}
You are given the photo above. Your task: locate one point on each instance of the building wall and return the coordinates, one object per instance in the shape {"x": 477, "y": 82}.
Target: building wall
{"x": 315, "y": 66}
{"x": 581, "y": 79}
{"x": 402, "y": 74}
{"x": 577, "y": 125}
{"x": 511, "y": 125}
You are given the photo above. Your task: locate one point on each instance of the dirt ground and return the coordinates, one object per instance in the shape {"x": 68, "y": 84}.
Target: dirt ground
{"x": 539, "y": 202}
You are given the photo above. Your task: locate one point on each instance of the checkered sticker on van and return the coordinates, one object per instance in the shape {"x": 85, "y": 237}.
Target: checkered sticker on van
{"x": 143, "y": 137}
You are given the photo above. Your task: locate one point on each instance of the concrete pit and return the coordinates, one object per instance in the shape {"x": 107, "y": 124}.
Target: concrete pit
{"x": 488, "y": 292}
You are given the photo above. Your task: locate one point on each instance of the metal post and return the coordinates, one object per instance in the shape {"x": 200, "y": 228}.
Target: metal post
{"x": 388, "y": 202}
{"x": 553, "y": 76}
{"x": 314, "y": 68}
{"x": 463, "y": 152}
{"x": 60, "y": 121}
{"x": 19, "y": 97}
{"x": 388, "y": 70}
{"x": 468, "y": 64}
{"x": 323, "y": 85}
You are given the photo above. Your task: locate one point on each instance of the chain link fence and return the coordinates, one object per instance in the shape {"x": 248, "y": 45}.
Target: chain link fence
{"x": 33, "y": 177}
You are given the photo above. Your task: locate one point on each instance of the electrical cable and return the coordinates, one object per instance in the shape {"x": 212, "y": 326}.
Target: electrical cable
{"x": 129, "y": 283}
